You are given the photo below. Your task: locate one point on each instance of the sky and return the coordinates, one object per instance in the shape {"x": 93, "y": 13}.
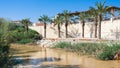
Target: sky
{"x": 33, "y": 9}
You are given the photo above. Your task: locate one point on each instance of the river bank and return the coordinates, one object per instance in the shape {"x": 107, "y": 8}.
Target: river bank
{"x": 23, "y": 49}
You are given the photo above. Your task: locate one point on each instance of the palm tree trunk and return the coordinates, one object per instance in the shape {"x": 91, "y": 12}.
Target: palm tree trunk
{"x": 95, "y": 19}
{"x": 66, "y": 30}
{"x": 95, "y": 31}
{"x": 66, "y": 34}
{"x": 99, "y": 22}
{"x": 59, "y": 30}
{"x": 44, "y": 30}
{"x": 83, "y": 25}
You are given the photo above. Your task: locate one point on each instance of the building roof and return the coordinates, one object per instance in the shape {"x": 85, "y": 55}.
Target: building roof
{"x": 39, "y": 24}
{"x": 77, "y": 13}
{"x": 113, "y": 8}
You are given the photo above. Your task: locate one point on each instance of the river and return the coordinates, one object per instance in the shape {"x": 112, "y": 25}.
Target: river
{"x": 57, "y": 58}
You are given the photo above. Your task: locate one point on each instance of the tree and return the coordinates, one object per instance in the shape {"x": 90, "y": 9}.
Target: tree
{"x": 66, "y": 18}
{"x": 101, "y": 9}
{"x": 94, "y": 14}
{"x": 5, "y": 56}
{"x": 74, "y": 19}
{"x": 26, "y": 23}
{"x": 45, "y": 19}
{"x": 82, "y": 17}
{"x": 59, "y": 21}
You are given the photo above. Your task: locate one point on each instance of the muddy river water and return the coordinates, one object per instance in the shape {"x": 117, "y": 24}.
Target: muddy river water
{"x": 56, "y": 58}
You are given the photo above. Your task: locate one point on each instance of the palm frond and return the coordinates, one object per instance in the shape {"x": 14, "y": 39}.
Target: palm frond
{"x": 59, "y": 20}
{"x": 44, "y": 19}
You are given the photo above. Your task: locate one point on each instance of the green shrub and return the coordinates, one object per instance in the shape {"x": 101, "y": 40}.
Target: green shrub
{"x": 63, "y": 45}
{"x": 109, "y": 52}
{"x": 5, "y": 57}
{"x": 21, "y": 36}
{"x": 24, "y": 41}
{"x": 106, "y": 55}
{"x": 103, "y": 51}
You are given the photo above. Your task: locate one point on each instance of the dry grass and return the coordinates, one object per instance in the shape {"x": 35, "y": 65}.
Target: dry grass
{"x": 23, "y": 50}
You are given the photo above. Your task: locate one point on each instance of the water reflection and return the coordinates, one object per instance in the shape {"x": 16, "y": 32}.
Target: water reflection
{"x": 45, "y": 54}
{"x": 60, "y": 66}
{"x": 36, "y": 61}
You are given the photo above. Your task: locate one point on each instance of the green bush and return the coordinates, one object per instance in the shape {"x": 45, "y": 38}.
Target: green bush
{"x": 63, "y": 45}
{"x": 5, "y": 57}
{"x": 24, "y": 41}
{"x": 109, "y": 52}
{"x": 21, "y": 36}
{"x": 103, "y": 51}
{"x": 14, "y": 33}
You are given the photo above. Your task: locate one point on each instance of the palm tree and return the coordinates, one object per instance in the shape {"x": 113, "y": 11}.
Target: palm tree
{"x": 59, "y": 21}
{"x": 74, "y": 19}
{"x": 45, "y": 19}
{"x": 66, "y": 18}
{"x": 94, "y": 14}
{"x": 101, "y": 8}
{"x": 82, "y": 17}
{"x": 26, "y": 23}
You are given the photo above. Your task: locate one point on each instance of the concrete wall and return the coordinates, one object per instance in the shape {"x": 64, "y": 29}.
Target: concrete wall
{"x": 109, "y": 29}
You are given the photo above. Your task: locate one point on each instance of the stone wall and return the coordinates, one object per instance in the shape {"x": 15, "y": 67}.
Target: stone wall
{"x": 109, "y": 30}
